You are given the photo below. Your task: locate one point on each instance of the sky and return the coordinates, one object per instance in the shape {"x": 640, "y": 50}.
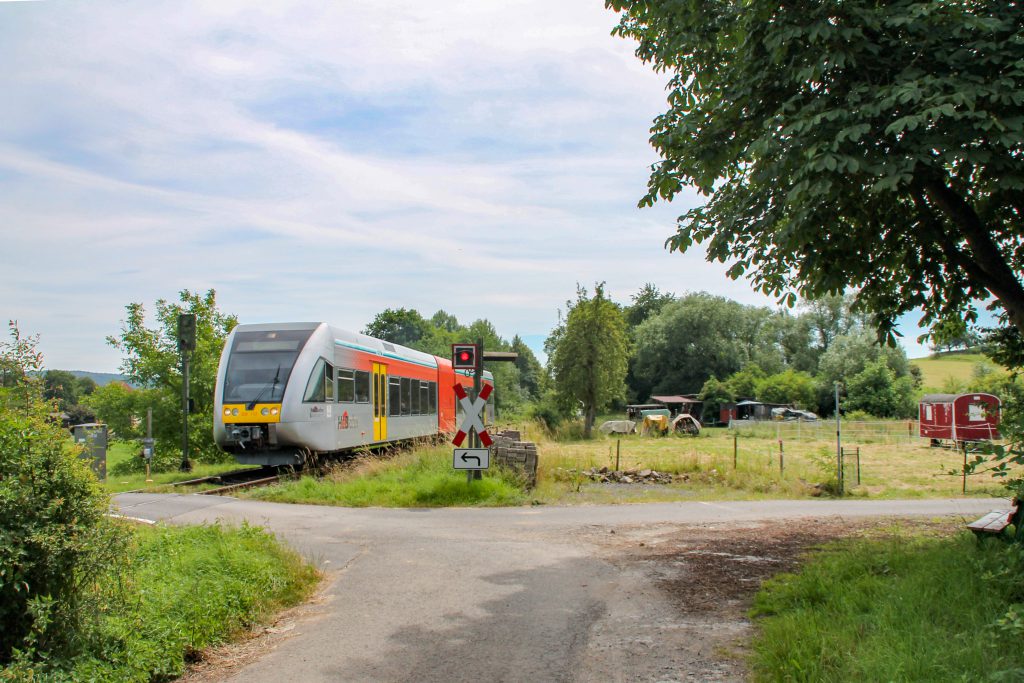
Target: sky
{"x": 325, "y": 161}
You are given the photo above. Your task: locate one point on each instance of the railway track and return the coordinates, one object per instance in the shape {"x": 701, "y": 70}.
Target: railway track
{"x": 236, "y": 480}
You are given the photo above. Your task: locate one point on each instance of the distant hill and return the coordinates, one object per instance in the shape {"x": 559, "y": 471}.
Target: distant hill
{"x": 101, "y": 378}
{"x": 937, "y": 368}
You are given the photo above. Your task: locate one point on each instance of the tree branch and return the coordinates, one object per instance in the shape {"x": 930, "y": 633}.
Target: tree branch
{"x": 994, "y": 272}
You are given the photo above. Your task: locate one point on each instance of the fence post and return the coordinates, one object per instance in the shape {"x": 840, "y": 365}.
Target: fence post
{"x": 964, "y": 486}
{"x": 858, "y": 465}
{"x": 618, "y": 446}
{"x": 735, "y": 449}
{"x": 781, "y": 459}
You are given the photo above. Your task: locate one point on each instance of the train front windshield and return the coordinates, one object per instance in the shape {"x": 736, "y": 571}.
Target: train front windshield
{"x": 260, "y": 364}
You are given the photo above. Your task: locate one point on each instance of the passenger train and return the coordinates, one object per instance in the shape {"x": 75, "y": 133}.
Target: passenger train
{"x": 287, "y": 389}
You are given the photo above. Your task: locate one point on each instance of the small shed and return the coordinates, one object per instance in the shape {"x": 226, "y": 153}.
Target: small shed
{"x": 960, "y": 417}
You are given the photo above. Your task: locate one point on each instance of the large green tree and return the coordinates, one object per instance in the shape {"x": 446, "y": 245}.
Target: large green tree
{"x": 645, "y": 303}
{"x": 60, "y": 386}
{"x": 696, "y": 337}
{"x": 152, "y": 362}
{"x": 854, "y": 143}
{"x": 403, "y": 326}
{"x": 588, "y": 354}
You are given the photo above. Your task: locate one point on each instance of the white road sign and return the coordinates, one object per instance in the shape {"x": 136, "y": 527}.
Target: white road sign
{"x": 470, "y": 458}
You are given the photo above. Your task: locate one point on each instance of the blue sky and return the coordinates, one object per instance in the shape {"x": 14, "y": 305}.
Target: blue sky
{"x": 324, "y": 161}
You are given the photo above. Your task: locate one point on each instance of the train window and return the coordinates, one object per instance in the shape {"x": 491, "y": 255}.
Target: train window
{"x": 425, "y": 398}
{"x": 260, "y": 364}
{"x": 395, "y": 396}
{"x": 415, "y": 398}
{"x": 329, "y": 383}
{"x": 405, "y": 396}
{"x": 362, "y": 386}
{"x": 432, "y": 389}
{"x": 346, "y": 385}
{"x": 315, "y": 388}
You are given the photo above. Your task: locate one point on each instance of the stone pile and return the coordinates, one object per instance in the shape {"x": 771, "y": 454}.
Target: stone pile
{"x": 609, "y": 476}
{"x": 509, "y": 451}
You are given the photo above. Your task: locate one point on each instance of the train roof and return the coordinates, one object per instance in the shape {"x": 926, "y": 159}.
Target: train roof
{"x": 361, "y": 342}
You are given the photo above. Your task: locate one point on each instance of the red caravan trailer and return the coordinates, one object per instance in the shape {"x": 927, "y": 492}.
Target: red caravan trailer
{"x": 959, "y": 417}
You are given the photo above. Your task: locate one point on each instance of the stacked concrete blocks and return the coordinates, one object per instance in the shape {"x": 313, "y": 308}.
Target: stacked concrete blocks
{"x": 510, "y": 452}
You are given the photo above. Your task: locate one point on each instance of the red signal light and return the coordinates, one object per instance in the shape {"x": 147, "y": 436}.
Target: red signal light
{"x": 464, "y": 356}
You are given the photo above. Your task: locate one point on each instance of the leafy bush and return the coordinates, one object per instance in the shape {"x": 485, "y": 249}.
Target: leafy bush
{"x": 549, "y": 410}
{"x": 184, "y": 589}
{"x": 878, "y": 391}
{"x": 54, "y": 536}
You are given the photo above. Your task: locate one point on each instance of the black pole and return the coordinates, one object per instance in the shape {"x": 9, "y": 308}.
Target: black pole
{"x": 478, "y": 376}
{"x": 186, "y": 466}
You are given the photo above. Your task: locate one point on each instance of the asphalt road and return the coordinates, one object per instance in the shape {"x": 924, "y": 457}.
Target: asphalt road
{"x": 497, "y": 594}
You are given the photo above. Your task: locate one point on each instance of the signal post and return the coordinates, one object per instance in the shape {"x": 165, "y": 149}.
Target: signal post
{"x": 186, "y": 345}
{"x": 471, "y": 357}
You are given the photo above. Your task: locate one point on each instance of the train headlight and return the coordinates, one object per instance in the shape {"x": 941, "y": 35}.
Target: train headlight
{"x": 234, "y": 411}
{"x": 273, "y": 411}
{"x": 265, "y": 411}
{"x": 227, "y": 411}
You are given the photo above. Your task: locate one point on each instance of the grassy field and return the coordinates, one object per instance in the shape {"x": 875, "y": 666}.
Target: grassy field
{"x": 119, "y": 452}
{"x": 422, "y": 477}
{"x": 937, "y": 370}
{"x": 185, "y": 589}
{"x": 901, "y": 606}
{"x": 894, "y": 463}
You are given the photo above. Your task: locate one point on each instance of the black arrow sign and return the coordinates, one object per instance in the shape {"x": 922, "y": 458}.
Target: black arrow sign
{"x": 466, "y": 458}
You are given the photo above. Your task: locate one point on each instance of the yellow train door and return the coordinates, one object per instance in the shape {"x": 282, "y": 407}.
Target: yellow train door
{"x": 380, "y": 402}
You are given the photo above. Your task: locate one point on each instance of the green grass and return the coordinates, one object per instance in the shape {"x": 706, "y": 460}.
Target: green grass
{"x": 418, "y": 478}
{"x": 939, "y": 370}
{"x": 118, "y": 452}
{"x": 186, "y": 588}
{"x": 904, "y": 607}
{"x": 895, "y": 463}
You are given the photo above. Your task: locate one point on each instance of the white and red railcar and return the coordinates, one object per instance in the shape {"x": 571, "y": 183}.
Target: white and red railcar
{"x": 959, "y": 417}
{"x": 286, "y": 389}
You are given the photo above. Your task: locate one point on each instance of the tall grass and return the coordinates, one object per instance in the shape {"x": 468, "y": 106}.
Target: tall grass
{"x": 420, "y": 477}
{"x": 185, "y": 589}
{"x": 899, "y": 608}
{"x": 892, "y": 464}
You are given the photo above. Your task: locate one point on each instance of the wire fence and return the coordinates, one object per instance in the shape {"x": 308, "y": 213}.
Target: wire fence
{"x": 894, "y": 432}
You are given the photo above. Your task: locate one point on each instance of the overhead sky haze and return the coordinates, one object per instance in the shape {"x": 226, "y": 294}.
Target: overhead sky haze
{"x": 324, "y": 161}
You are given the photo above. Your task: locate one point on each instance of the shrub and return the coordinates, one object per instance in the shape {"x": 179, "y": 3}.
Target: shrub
{"x": 54, "y": 536}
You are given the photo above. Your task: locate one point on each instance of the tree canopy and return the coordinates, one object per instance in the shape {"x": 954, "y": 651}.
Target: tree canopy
{"x": 855, "y": 143}
{"x": 589, "y": 353}
{"x": 152, "y": 362}
{"x": 516, "y": 383}
{"x": 698, "y": 336}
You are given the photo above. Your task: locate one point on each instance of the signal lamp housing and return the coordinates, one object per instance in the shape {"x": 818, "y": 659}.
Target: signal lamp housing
{"x": 465, "y": 357}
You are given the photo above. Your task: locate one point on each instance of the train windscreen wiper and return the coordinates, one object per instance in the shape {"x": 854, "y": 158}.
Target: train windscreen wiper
{"x": 252, "y": 403}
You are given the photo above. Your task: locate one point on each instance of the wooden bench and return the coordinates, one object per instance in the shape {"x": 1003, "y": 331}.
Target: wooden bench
{"x": 995, "y": 522}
